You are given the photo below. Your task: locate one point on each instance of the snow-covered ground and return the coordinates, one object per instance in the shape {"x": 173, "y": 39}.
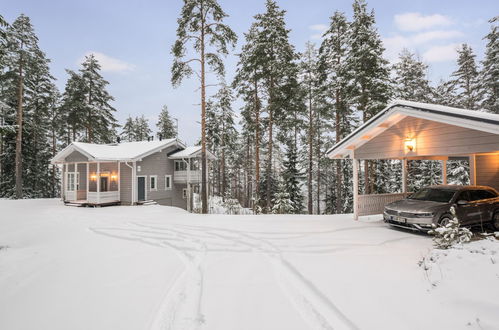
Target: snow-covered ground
{"x": 157, "y": 267}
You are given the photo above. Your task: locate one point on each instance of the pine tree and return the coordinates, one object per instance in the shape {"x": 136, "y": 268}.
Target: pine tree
{"x": 129, "y": 130}
{"x": 74, "y": 107}
{"x": 282, "y": 202}
{"x": 141, "y": 128}
{"x": 201, "y": 22}
{"x": 466, "y": 79}
{"x": 335, "y": 79}
{"x": 370, "y": 90}
{"x": 490, "y": 70}
{"x": 166, "y": 129}
{"x": 99, "y": 121}
{"x": 279, "y": 76}
{"x": 248, "y": 82}
{"x": 291, "y": 177}
{"x": 410, "y": 78}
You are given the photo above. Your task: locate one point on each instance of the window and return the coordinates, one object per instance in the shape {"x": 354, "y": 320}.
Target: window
{"x": 180, "y": 165}
{"x": 481, "y": 194}
{"x": 434, "y": 195}
{"x": 153, "y": 182}
{"x": 195, "y": 164}
{"x": 168, "y": 182}
{"x": 72, "y": 181}
{"x": 184, "y": 193}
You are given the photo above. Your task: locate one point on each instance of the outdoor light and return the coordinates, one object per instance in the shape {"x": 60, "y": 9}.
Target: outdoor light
{"x": 93, "y": 177}
{"x": 114, "y": 177}
{"x": 410, "y": 144}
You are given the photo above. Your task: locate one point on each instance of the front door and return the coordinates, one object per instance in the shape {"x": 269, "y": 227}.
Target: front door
{"x": 141, "y": 188}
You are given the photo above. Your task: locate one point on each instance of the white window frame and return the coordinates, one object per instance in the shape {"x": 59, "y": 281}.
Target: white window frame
{"x": 155, "y": 182}
{"x": 168, "y": 179}
{"x": 181, "y": 165}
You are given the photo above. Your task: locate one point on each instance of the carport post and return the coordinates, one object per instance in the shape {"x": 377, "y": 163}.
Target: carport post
{"x": 355, "y": 189}
{"x": 404, "y": 175}
{"x": 444, "y": 171}
{"x": 472, "y": 170}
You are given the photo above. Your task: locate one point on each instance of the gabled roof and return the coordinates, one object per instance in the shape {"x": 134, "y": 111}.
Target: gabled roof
{"x": 399, "y": 109}
{"x": 190, "y": 152}
{"x": 126, "y": 151}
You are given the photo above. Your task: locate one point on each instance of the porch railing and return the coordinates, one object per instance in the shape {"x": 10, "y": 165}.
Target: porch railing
{"x": 375, "y": 204}
{"x": 103, "y": 197}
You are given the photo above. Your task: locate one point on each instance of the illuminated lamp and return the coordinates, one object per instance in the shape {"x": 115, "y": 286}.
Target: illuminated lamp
{"x": 410, "y": 144}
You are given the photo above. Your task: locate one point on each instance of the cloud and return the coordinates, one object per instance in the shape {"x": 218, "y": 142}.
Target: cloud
{"x": 320, "y": 28}
{"x": 441, "y": 53}
{"x": 417, "y": 21}
{"x": 395, "y": 44}
{"x": 110, "y": 64}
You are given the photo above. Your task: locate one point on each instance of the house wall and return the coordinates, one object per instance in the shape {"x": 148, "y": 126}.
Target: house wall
{"x": 432, "y": 139}
{"x": 159, "y": 164}
{"x": 487, "y": 170}
{"x": 126, "y": 183}
{"x": 76, "y": 156}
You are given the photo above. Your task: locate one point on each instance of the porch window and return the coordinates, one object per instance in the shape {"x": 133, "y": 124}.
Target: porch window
{"x": 73, "y": 181}
{"x": 195, "y": 165}
{"x": 168, "y": 182}
{"x": 180, "y": 165}
{"x": 153, "y": 182}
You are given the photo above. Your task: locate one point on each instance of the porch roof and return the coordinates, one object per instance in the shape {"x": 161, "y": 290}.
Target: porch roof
{"x": 191, "y": 152}
{"x": 126, "y": 151}
{"x": 400, "y": 109}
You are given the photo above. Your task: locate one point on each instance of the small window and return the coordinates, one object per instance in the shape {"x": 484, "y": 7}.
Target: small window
{"x": 180, "y": 165}
{"x": 168, "y": 182}
{"x": 184, "y": 193}
{"x": 153, "y": 182}
{"x": 481, "y": 194}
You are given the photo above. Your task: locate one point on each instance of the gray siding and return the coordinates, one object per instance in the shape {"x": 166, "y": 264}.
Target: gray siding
{"x": 126, "y": 183}
{"x": 159, "y": 164}
{"x": 76, "y": 156}
{"x": 487, "y": 170}
{"x": 432, "y": 139}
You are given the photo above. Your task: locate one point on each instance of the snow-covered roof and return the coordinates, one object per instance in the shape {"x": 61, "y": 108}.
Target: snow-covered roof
{"x": 473, "y": 119}
{"x": 126, "y": 151}
{"x": 190, "y": 152}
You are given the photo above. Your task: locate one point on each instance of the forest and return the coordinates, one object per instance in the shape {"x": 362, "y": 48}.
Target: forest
{"x": 271, "y": 150}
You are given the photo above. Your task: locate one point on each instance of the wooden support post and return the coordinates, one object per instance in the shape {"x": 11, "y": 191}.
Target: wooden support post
{"x": 88, "y": 182}
{"x": 444, "y": 171}
{"x": 98, "y": 182}
{"x": 134, "y": 182}
{"x": 356, "y": 189}
{"x": 119, "y": 180}
{"x": 404, "y": 175}
{"x": 472, "y": 170}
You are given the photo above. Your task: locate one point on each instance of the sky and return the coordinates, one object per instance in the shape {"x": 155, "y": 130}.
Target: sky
{"x": 133, "y": 39}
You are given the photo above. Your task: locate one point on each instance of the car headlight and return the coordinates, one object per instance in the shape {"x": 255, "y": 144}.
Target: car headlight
{"x": 424, "y": 215}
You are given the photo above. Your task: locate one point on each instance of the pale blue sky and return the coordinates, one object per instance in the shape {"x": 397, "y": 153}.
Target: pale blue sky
{"x": 133, "y": 40}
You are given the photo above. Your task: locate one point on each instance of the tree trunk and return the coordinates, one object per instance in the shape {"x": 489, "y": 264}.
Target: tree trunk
{"x": 204, "y": 195}
{"x": 222, "y": 163}
{"x": 19, "y": 137}
{"x": 269, "y": 156}
{"x": 338, "y": 162}
{"x": 310, "y": 150}
{"x": 257, "y": 145}
{"x": 318, "y": 152}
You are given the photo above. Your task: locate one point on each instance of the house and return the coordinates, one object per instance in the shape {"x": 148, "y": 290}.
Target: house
{"x": 163, "y": 171}
{"x": 411, "y": 131}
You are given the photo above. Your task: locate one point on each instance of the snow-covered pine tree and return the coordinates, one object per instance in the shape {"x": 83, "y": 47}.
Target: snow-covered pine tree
{"x": 166, "y": 128}
{"x": 291, "y": 176}
{"x": 279, "y": 75}
{"x": 128, "y": 131}
{"x": 335, "y": 78}
{"x": 282, "y": 203}
{"x": 489, "y": 76}
{"x": 466, "y": 79}
{"x": 370, "y": 88}
{"x": 99, "y": 121}
{"x": 201, "y": 26}
{"x": 410, "y": 78}
{"x": 74, "y": 107}
{"x": 249, "y": 85}
{"x": 142, "y": 129}
{"x": 309, "y": 77}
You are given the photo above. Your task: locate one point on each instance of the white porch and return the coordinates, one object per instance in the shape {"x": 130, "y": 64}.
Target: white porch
{"x": 93, "y": 183}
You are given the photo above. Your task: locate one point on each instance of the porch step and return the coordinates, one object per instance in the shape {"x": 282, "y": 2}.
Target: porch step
{"x": 148, "y": 202}
{"x": 75, "y": 204}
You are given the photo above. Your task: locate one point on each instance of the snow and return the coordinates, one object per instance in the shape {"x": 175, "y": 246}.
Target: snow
{"x": 119, "y": 151}
{"x": 190, "y": 152}
{"x": 157, "y": 267}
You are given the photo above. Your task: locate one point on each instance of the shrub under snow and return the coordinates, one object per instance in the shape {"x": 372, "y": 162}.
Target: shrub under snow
{"x": 451, "y": 233}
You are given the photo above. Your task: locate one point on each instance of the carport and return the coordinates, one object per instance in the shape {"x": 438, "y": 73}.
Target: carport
{"x": 417, "y": 131}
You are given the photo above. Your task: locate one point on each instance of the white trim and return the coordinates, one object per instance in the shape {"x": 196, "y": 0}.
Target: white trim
{"x": 155, "y": 182}
{"x": 137, "y": 188}
{"x": 355, "y": 189}
{"x": 170, "y": 177}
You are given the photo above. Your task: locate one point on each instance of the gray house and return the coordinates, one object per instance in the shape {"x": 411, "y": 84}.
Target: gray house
{"x": 165, "y": 172}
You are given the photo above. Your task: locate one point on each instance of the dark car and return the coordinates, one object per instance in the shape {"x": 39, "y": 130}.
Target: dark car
{"x": 431, "y": 205}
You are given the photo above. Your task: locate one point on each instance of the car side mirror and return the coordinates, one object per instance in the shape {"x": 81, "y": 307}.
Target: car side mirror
{"x": 462, "y": 202}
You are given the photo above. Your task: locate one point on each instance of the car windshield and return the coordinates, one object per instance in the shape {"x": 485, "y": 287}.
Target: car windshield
{"x": 433, "y": 195}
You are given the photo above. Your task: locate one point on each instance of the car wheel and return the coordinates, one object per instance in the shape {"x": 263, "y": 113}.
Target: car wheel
{"x": 495, "y": 221}
{"x": 444, "y": 221}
